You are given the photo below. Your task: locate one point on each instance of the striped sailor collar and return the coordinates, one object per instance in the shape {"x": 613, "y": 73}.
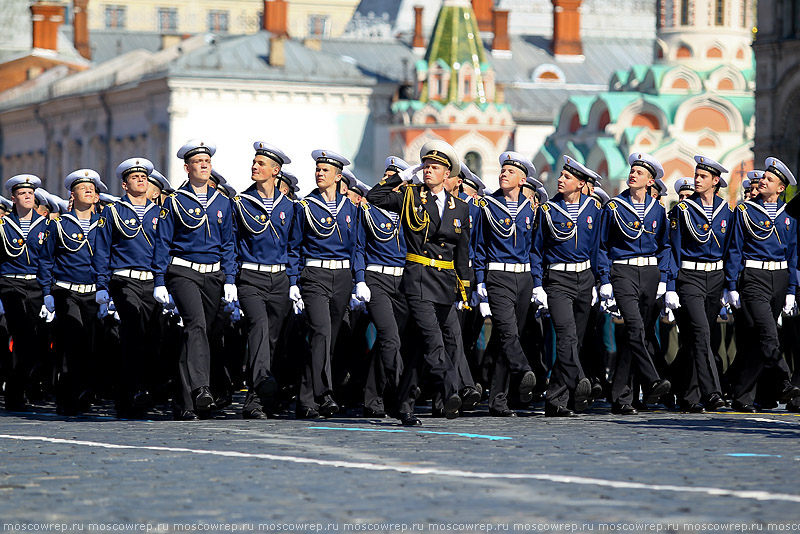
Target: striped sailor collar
{"x": 187, "y": 190}
{"x": 13, "y": 220}
{"x": 251, "y": 194}
{"x": 499, "y": 200}
{"x": 316, "y": 197}
{"x": 125, "y": 200}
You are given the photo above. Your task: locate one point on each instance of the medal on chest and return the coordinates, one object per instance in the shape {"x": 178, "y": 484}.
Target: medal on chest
{"x": 347, "y": 220}
{"x": 283, "y": 218}
{"x": 457, "y": 225}
{"x": 589, "y": 222}
{"x": 219, "y": 216}
{"x": 527, "y": 223}
{"x": 154, "y": 221}
{"x": 723, "y": 224}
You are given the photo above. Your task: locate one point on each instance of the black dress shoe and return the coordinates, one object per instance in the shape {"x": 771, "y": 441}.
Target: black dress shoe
{"x": 526, "y": 385}
{"x": 558, "y": 411}
{"x": 657, "y": 388}
{"x": 142, "y": 400}
{"x": 793, "y": 406}
{"x": 506, "y": 412}
{"x": 328, "y": 406}
{"x": 789, "y": 391}
{"x": 715, "y": 402}
{"x": 470, "y": 397}
{"x": 741, "y": 407}
{"x": 597, "y": 390}
{"x": 266, "y": 391}
{"x": 203, "y": 399}
{"x": 306, "y": 413}
{"x": 374, "y": 414}
{"x": 255, "y": 413}
{"x": 452, "y": 406}
{"x": 624, "y": 409}
{"x": 185, "y": 415}
{"x": 641, "y": 406}
{"x": 583, "y": 392}
{"x": 409, "y": 419}
{"x": 692, "y": 407}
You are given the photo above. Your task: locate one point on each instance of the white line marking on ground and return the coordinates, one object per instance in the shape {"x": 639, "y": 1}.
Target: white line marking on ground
{"x": 618, "y": 484}
{"x": 765, "y": 420}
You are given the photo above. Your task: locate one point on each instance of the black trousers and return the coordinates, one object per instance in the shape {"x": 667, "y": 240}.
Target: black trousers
{"x": 455, "y": 349}
{"x": 509, "y": 300}
{"x": 22, "y": 300}
{"x": 264, "y": 298}
{"x": 695, "y": 365}
{"x": 197, "y": 297}
{"x": 569, "y": 297}
{"x": 76, "y": 315}
{"x": 326, "y": 293}
{"x": 388, "y": 310}
{"x": 431, "y": 319}
{"x": 763, "y": 296}
{"x": 635, "y": 292}
{"x": 140, "y": 335}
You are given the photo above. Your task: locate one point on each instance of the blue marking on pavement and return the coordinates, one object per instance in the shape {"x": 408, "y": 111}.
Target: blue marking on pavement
{"x": 750, "y": 455}
{"x": 394, "y": 430}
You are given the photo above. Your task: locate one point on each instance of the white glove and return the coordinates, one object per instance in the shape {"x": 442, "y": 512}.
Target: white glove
{"x": 481, "y": 290}
{"x": 662, "y": 289}
{"x": 294, "y": 294}
{"x": 606, "y": 292}
{"x": 671, "y": 300}
{"x": 298, "y": 306}
{"x": 540, "y": 296}
{"x": 725, "y": 298}
{"x": 594, "y": 296}
{"x": 161, "y": 295}
{"x": 43, "y": 313}
{"x": 788, "y": 307}
{"x": 230, "y": 293}
{"x": 406, "y": 174}
{"x": 362, "y": 292}
{"x": 50, "y": 303}
{"x": 734, "y": 299}
{"x": 460, "y": 305}
{"x": 102, "y": 297}
{"x": 102, "y": 311}
{"x": 669, "y": 315}
{"x": 484, "y": 309}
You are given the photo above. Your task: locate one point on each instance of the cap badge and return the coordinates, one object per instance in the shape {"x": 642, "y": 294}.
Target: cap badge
{"x": 86, "y": 173}
{"x": 701, "y": 160}
{"x": 323, "y": 153}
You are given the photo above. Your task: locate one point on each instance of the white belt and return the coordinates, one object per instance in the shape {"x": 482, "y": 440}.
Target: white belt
{"x": 639, "y": 262}
{"x": 766, "y": 265}
{"x": 385, "y": 269}
{"x": 199, "y": 267}
{"x": 20, "y": 276}
{"x": 510, "y": 267}
{"x": 701, "y": 266}
{"x": 77, "y": 288}
{"x": 329, "y": 264}
{"x": 277, "y": 268}
{"x": 570, "y": 267}
{"x": 133, "y": 273}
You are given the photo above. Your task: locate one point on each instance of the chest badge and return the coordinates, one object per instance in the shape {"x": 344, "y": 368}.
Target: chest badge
{"x": 589, "y": 222}
{"x": 527, "y": 223}
{"x": 569, "y": 224}
{"x": 766, "y": 224}
{"x": 219, "y": 216}
{"x": 283, "y": 218}
{"x": 347, "y": 220}
{"x": 457, "y": 225}
{"x": 655, "y": 223}
{"x": 423, "y": 197}
{"x": 787, "y": 222}
{"x": 451, "y": 204}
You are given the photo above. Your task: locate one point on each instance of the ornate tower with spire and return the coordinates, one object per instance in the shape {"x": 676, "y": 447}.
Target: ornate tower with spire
{"x": 455, "y": 97}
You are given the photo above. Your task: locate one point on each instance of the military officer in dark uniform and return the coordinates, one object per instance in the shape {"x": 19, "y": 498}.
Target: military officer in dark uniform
{"x": 264, "y": 222}
{"x": 66, "y": 278}
{"x": 504, "y": 229}
{"x": 436, "y": 228}
{"x": 633, "y": 260}
{"x": 195, "y": 258}
{"x": 564, "y": 260}
{"x": 700, "y": 232}
{"x": 122, "y": 262}
{"x": 328, "y": 223}
{"x": 760, "y": 274}
{"x": 22, "y": 233}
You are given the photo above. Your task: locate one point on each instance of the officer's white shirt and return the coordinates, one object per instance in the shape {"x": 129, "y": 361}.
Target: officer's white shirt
{"x": 440, "y": 202}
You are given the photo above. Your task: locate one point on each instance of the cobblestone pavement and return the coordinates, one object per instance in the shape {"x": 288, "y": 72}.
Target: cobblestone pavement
{"x": 661, "y": 467}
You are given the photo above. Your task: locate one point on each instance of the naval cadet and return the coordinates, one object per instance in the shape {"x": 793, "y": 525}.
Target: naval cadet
{"x": 158, "y": 187}
{"x": 700, "y": 232}
{"x": 264, "y": 222}
{"x": 564, "y": 260}
{"x": 633, "y": 261}
{"x": 67, "y": 281}
{"x": 379, "y": 262}
{"x": 436, "y": 229}
{"x": 502, "y": 265}
{"x": 195, "y": 263}
{"x": 287, "y": 182}
{"x": 684, "y": 188}
{"x": 22, "y": 233}
{"x": 328, "y": 223}
{"x": 750, "y": 188}
{"x": 760, "y": 274}
{"x": 122, "y": 262}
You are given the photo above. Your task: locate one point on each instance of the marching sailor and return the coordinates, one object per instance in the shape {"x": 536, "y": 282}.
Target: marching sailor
{"x": 195, "y": 262}
{"x": 700, "y": 232}
{"x": 564, "y": 261}
{"x": 504, "y": 231}
{"x": 263, "y": 218}
{"x": 760, "y": 274}
{"x": 123, "y": 258}
{"x": 328, "y": 222}
{"x": 633, "y": 266}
